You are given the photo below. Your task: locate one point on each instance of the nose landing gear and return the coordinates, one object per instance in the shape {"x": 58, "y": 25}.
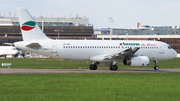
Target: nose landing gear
{"x": 155, "y": 65}
{"x": 93, "y": 66}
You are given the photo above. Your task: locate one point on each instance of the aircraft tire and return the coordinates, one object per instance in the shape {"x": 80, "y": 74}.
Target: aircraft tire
{"x": 113, "y": 67}
{"x": 156, "y": 67}
{"x": 110, "y": 67}
{"x": 93, "y": 67}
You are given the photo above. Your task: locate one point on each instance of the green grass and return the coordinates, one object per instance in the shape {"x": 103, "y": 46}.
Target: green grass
{"x": 90, "y": 87}
{"x": 59, "y": 64}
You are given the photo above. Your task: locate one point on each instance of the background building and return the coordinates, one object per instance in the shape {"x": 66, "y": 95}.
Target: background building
{"x": 168, "y": 34}
{"x": 69, "y": 28}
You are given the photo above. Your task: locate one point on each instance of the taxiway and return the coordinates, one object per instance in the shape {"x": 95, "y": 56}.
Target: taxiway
{"x": 30, "y": 71}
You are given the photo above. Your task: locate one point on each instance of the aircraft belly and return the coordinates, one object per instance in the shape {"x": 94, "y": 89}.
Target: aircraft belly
{"x": 70, "y": 55}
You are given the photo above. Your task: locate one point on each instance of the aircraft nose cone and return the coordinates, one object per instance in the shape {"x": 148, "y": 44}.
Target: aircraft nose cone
{"x": 174, "y": 53}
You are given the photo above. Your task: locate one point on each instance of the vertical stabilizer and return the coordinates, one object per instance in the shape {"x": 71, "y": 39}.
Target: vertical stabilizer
{"x": 30, "y": 30}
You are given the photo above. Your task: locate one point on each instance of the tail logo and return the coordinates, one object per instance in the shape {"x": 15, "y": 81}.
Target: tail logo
{"x": 29, "y": 25}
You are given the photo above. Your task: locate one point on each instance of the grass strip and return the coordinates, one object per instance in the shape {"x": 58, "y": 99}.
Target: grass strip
{"x": 59, "y": 64}
{"x": 90, "y": 87}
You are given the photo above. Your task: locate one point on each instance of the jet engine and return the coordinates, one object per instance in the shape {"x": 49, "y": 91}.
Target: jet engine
{"x": 138, "y": 61}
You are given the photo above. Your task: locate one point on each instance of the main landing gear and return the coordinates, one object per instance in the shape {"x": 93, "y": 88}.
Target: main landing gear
{"x": 113, "y": 67}
{"x": 155, "y": 65}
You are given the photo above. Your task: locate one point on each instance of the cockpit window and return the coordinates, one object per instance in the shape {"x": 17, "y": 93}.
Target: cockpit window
{"x": 169, "y": 47}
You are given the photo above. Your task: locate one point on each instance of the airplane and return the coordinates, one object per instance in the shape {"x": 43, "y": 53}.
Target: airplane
{"x": 135, "y": 53}
{"x": 8, "y": 50}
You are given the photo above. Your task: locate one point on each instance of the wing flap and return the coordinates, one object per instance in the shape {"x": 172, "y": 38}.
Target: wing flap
{"x": 121, "y": 55}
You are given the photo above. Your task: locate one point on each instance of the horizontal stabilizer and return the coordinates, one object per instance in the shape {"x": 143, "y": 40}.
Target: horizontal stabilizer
{"x": 33, "y": 45}
{"x": 10, "y": 44}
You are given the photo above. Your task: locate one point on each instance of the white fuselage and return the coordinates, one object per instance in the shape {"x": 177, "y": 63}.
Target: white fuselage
{"x": 8, "y": 50}
{"x": 82, "y": 50}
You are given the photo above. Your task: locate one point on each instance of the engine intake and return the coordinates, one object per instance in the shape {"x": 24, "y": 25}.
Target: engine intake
{"x": 138, "y": 61}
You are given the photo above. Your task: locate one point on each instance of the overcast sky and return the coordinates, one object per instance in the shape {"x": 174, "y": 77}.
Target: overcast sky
{"x": 125, "y": 13}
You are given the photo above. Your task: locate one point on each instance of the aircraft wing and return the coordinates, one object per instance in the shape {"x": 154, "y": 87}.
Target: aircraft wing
{"x": 127, "y": 52}
{"x": 120, "y": 55}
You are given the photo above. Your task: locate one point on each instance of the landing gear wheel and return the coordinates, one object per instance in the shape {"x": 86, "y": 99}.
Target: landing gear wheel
{"x": 93, "y": 67}
{"x": 110, "y": 67}
{"x": 156, "y": 67}
{"x": 113, "y": 67}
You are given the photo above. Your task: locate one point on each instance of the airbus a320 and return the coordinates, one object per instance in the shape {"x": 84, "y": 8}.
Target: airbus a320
{"x": 101, "y": 52}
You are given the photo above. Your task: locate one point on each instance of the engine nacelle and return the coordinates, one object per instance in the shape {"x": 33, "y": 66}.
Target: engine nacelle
{"x": 138, "y": 61}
